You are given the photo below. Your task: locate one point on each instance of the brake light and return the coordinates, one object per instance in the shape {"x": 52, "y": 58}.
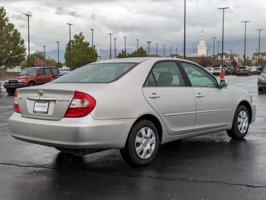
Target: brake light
{"x": 16, "y": 107}
{"x": 81, "y": 105}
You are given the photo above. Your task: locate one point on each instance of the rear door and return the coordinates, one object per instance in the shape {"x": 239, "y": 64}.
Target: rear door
{"x": 213, "y": 104}
{"x": 167, "y": 94}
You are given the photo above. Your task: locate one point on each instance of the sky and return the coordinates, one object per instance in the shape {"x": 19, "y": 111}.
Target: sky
{"x": 158, "y": 21}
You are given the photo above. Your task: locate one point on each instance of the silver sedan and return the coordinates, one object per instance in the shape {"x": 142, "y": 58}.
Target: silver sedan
{"x": 132, "y": 104}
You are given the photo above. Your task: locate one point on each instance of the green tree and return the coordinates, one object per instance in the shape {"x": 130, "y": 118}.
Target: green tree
{"x": 12, "y": 48}
{"x": 122, "y": 54}
{"x": 81, "y": 52}
{"x": 140, "y": 52}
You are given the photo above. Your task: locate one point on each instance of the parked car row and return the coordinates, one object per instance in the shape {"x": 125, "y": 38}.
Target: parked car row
{"x": 238, "y": 71}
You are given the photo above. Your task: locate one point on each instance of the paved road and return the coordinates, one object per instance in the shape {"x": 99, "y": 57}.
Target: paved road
{"x": 202, "y": 168}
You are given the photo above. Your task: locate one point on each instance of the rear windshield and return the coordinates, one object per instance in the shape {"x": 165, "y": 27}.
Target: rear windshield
{"x": 96, "y": 73}
{"x": 28, "y": 71}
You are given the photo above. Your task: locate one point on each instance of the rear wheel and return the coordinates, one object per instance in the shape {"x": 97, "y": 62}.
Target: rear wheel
{"x": 31, "y": 83}
{"x": 142, "y": 144}
{"x": 240, "y": 123}
{"x": 10, "y": 91}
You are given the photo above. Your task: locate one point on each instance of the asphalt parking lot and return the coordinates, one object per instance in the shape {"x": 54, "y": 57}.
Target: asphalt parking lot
{"x": 211, "y": 167}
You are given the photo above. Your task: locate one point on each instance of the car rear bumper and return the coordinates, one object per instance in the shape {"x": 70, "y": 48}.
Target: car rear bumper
{"x": 15, "y": 85}
{"x": 79, "y": 133}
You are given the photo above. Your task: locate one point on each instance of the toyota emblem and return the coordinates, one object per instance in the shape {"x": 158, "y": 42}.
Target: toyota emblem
{"x": 40, "y": 93}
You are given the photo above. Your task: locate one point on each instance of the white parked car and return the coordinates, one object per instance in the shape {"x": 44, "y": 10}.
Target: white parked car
{"x": 133, "y": 104}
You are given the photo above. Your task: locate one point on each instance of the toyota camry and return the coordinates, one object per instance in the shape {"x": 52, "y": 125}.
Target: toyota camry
{"x": 131, "y": 104}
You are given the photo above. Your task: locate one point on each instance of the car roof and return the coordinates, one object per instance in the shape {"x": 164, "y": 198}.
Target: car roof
{"x": 140, "y": 60}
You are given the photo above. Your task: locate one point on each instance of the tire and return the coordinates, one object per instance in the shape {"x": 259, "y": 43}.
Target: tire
{"x": 142, "y": 144}
{"x": 31, "y": 84}
{"x": 10, "y": 91}
{"x": 240, "y": 123}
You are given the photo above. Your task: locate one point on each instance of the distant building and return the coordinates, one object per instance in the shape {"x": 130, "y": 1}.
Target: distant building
{"x": 202, "y": 47}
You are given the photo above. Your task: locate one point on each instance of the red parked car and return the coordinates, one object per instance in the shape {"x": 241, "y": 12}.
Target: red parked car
{"x": 29, "y": 77}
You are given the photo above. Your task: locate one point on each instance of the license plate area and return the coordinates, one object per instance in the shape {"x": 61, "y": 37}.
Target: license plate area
{"x": 41, "y": 107}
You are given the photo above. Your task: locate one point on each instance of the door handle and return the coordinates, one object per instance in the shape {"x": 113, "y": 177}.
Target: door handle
{"x": 154, "y": 96}
{"x": 199, "y": 95}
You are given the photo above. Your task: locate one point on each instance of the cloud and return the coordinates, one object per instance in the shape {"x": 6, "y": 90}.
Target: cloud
{"x": 63, "y": 11}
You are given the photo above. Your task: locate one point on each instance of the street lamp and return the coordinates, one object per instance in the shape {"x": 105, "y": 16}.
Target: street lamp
{"x": 148, "y": 47}
{"x": 170, "y": 51}
{"x": 223, "y": 8}
{"x": 57, "y": 52}
{"x": 115, "y": 47}
{"x": 164, "y": 50}
{"x": 28, "y": 16}
{"x": 213, "y": 53}
{"x": 70, "y": 48}
{"x": 156, "y": 49}
{"x": 92, "y": 37}
{"x": 245, "y": 41}
{"x": 110, "y": 56}
{"x": 125, "y": 39}
{"x": 185, "y": 13}
{"x": 137, "y": 44}
{"x": 44, "y": 51}
{"x": 260, "y": 29}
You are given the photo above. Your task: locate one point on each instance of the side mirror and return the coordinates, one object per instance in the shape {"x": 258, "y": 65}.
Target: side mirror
{"x": 223, "y": 84}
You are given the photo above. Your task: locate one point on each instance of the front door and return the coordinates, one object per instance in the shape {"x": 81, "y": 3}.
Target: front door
{"x": 214, "y": 105}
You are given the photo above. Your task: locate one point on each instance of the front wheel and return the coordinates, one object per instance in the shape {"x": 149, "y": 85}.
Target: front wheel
{"x": 240, "y": 123}
{"x": 142, "y": 144}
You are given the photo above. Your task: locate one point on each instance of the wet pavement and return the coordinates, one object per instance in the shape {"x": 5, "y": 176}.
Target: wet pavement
{"x": 200, "y": 168}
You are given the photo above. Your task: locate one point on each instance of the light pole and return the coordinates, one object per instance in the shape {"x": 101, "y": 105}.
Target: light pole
{"x": 114, "y": 47}
{"x": 44, "y": 51}
{"x": 110, "y": 56}
{"x": 164, "y": 50}
{"x": 156, "y": 49}
{"x": 137, "y": 44}
{"x": 260, "y": 29}
{"x": 57, "y": 52}
{"x": 92, "y": 37}
{"x": 70, "y": 48}
{"x": 245, "y": 41}
{"x": 170, "y": 51}
{"x": 125, "y": 40}
{"x": 148, "y": 47}
{"x": 28, "y": 16}
{"x": 185, "y": 13}
{"x": 213, "y": 53}
{"x": 223, "y": 8}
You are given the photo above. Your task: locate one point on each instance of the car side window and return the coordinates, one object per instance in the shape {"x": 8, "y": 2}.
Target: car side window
{"x": 48, "y": 71}
{"x": 198, "y": 76}
{"x": 55, "y": 71}
{"x": 41, "y": 71}
{"x": 165, "y": 74}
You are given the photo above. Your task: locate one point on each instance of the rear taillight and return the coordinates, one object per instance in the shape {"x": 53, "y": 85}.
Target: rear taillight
{"x": 81, "y": 105}
{"x": 16, "y": 107}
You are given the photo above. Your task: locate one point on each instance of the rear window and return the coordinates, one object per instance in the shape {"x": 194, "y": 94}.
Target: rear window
{"x": 97, "y": 73}
{"x": 28, "y": 71}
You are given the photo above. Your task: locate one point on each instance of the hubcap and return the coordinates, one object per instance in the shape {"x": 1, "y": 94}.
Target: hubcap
{"x": 242, "y": 121}
{"x": 145, "y": 143}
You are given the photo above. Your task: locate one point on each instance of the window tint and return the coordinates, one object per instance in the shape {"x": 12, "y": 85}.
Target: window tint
{"x": 165, "y": 74}
{"x": 55, "y": 71}
{"x": 48, "y": 71}
{"x": 41, "y": 71}
{"x": 198, "y": 76}
{"x": 96, "y": 73}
